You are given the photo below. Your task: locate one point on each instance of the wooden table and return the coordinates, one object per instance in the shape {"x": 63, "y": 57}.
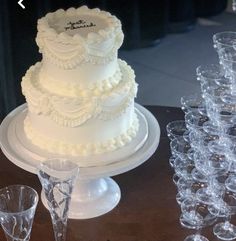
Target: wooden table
{"x": 147, "y": 211}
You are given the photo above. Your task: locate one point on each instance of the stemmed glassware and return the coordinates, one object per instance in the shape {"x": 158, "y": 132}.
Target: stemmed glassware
{"x": 222, "y": 118}
{"x": 193, "y": 102}
{"x": 180, "y": 148}
{"x": 58, "y": 177}
{"x": 211, "y": 165}
{"x": 197, "y": 215}
{"x": 226, "y": 230}
{"x": 176, "y": 129}
{"x": 224, "y": 39}
{"x": 204, "y": 151}
{"x": 17, "y": 208}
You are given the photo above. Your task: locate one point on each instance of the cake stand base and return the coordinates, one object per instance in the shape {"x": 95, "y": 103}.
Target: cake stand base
{"x": 95, "y": 193}
{"x": 92, "y": 198}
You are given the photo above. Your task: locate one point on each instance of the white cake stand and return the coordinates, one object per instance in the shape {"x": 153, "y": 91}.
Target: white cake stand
{"x": 95, "y": 192}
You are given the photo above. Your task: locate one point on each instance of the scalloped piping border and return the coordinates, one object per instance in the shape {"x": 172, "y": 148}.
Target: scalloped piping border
{"x": 85, "y": 53}
{"x": 41, "y": 101}
{"x": 83, "y": 56}
{"x": 28, "y": 86}
{"x": 63, "y": 148}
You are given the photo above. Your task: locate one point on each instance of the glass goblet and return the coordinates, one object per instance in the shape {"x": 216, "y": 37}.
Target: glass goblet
{"x": 226, "y": 230}
{"x": 194, "y": 121}
{"x": 223, "y": 117}
{"x": 58, "y": 177}
{"x": 229, "y": 99}
{"x": 215, "y": 88}
{"x": 176, "y": 129}
{"x": 212, "y": 74}
{"x": 193, "y": 102}
{"x": 188, "y": 188}
{"x": 183, "y": 167}
{"x": 212, "y": 166}
{"x": 198, "y": 176}
{"x": 227, "y": 56}
{"x": 180, "y": 148}
{"x": 197, "y": 215}
{"x": 224, "y": 39}
{"x": 17, "y": 208}
{"x": 213, "y": 100}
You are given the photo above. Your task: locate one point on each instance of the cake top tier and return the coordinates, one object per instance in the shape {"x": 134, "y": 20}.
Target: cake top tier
{"x": 68, "y": 37}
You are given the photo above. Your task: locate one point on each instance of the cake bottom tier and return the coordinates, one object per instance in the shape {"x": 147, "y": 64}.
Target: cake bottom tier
{"x": 95, "y": 136}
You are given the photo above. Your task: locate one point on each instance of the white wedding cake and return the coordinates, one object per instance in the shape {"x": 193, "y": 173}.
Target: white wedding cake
{"x": 80, "y": 96}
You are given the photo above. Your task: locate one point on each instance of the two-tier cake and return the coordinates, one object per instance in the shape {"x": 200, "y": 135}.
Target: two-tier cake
{"x": 80, "y": 96}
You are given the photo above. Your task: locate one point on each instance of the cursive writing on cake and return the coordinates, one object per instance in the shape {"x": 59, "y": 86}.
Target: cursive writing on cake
{"x": 79, "y": 24}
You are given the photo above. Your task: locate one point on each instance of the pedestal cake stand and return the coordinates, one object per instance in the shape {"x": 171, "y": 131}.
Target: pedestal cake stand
{"x": 95, "y": 192}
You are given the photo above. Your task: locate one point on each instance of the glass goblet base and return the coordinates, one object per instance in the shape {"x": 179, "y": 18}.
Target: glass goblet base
{"x": 205, "y": 196}
{"x": 198, "y": 176}
{"x": 219, "y": 146}
{"x": 186, "y": 224}
{"x": 225, "y": 231}
{"x": 195, "y": 237}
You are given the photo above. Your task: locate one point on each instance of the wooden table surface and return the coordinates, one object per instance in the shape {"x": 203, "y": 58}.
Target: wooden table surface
{"x": 147, "y": 211}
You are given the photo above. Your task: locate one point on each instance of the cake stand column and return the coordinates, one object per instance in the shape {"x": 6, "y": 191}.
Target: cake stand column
{"x": 92, "y": 197}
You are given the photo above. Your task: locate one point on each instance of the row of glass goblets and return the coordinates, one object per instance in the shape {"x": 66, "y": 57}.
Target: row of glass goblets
{"x": 18, "y": 202}
{"x": 203, "y": 149}
{"x": 189, "y": 180}
{"x": 217, "y": 92}
{"x": 200, "y": 175}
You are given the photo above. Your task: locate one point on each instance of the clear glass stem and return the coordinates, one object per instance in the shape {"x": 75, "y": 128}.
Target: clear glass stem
{"x": 232, "y": 79}
{"x": 211, "y": 182}
{"x": 198, "y": 234}
{"x": 57, "y": 177}
{"x": 59, "y": 228}
{"x": 199, "y": 231}
{"x": 211, "y": 185}
{"x": 227, "y": 222}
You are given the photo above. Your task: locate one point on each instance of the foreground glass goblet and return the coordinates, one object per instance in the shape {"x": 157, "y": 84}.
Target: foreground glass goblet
{"x": 212, "y": 166}
{"x": 224, "y": 39}
{"x": 176, "y": 129}
{"x": 196, "y": 215}
{"x": 180, "y": 148}
{"x": 57, "y": 177}
{"x": 226, "y": 230}
{"x": 193, "y": 102}
{"x": 212, "y": 75}
{"x": 17, "y": 208}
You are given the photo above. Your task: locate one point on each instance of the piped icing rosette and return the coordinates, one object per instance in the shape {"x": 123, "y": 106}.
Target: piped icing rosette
{"x": 70, "y": 37}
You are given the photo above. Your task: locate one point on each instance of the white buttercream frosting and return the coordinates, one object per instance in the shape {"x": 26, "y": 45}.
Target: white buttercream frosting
{"x": 69, "y": 47}
{"x": 80, "y": 83}
{"x": 83, "y": 76}
{"x": 94, "y": 138}
{"x": 80, "y": 96}
{"x": 102, "y": 103}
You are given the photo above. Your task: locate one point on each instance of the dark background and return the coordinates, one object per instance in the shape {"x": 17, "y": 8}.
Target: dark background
{"x": 144, "y": 22}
